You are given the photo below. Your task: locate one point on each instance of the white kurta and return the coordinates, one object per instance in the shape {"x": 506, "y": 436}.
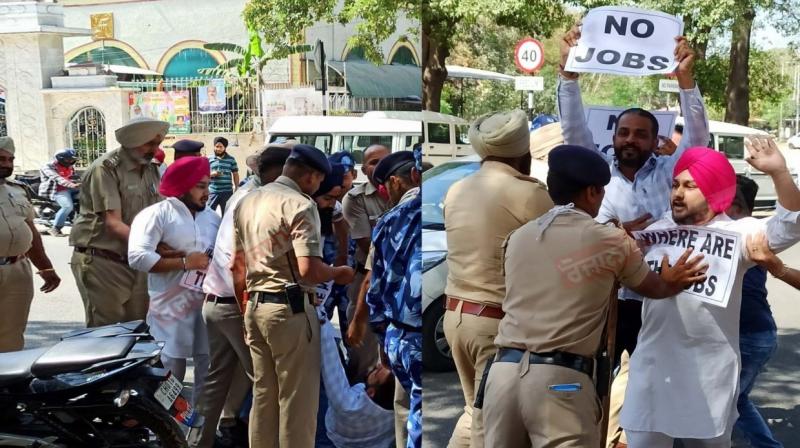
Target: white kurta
{"x": 684, "y": 374}
{"x": 175, "y": 314}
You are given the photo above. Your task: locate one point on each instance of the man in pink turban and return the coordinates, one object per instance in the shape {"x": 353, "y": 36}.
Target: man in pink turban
{"x": 684, "y": 373}
{"x": 175, "y": 285}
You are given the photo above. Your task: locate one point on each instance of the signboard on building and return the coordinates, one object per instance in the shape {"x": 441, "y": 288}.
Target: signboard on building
{"x": 172, "y": 107}
{"x": 212, "y": 97}
{"x": 102, "y": 26}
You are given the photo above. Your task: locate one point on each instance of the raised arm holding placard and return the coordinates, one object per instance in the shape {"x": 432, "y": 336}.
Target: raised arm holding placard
{"x": 641, "y": 179}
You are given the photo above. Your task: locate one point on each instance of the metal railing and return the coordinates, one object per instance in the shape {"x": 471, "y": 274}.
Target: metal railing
{"x": 346, "y": 103}
{"x": 186, "y": 104}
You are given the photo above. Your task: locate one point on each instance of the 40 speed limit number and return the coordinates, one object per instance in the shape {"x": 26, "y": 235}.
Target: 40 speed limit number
{"x": 529, "y": 55}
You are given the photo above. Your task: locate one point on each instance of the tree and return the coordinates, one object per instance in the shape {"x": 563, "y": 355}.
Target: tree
{"x": 282, "y": 23}
{"x": 445, "y": 22}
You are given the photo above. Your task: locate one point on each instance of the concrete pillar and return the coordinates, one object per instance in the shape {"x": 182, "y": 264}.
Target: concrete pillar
{"x": 31, "y": 52}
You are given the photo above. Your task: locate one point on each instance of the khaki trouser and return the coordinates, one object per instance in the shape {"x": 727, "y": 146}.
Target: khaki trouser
{"x": 618, "y": 386}
{"x": 402, "y": 405}
{"x": 365, "y": 357}
{"x": 286, "y": 374}
{"x": 520, "y": 410}
{"x": 471, "y": 339}
{"x": 229, "y": 377}
{"x": 16, "y": 284}
{"x": 112, "y": 292}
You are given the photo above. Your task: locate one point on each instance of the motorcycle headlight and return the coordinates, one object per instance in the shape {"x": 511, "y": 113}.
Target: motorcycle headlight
{"x": 432, "y": 259}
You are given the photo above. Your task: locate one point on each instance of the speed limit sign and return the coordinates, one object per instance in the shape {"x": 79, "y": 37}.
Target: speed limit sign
{"x": 529, "y": 55}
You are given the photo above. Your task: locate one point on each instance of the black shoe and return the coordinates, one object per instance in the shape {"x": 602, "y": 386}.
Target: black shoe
{"x": 236, "y": 435}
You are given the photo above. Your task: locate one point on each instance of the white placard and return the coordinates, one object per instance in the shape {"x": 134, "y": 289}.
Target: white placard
{"x": 721, "y": 250}
{"x": 626, "y": 41}
{"x": 193, "y": 280}
{"x": 602, "y": 120}
{"x": 324, "y": 291}
{"x": 529, "y": 83}
{"x": 668, "y": 85}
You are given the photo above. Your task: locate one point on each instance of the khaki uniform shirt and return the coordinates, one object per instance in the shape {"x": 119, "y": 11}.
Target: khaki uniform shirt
{"x": 115, "y": 181}
{"x": 15, "y": 208}
{"x": 558, "y": 288}
{"x": 270, "y": 222}
{"x": 479, "y": 213}
{"x": 362, "y": 207}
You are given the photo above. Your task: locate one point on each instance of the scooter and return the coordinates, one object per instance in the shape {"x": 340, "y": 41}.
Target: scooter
{"x": 45, "y": 208}
{"x": 97, "y": 387}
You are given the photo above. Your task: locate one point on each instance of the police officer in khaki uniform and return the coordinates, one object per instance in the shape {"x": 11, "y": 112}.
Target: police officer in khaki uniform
{"x": 560, "y": 270}
{"x": 278, "y": 261}
{"x": 479, "y": 212}
{"x": 116, "y": 187}
{"x": 362, "y": 206}
{"x": 19, "y": 240}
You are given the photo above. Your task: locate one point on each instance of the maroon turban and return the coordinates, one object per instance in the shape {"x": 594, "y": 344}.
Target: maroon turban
{"x": 183, "y": 175}
{"x": 712, "y": 173}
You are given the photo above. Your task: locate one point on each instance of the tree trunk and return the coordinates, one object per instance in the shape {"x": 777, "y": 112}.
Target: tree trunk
{"x": 434, "y": 72}
{"x": 737, "y": 91}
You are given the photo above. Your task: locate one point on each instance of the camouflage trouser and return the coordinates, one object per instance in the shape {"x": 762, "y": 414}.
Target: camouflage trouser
{"x": 404, "y": 349}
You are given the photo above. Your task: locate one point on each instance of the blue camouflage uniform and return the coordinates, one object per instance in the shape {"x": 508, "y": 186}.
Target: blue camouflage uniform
{"x": 395, "y": 299}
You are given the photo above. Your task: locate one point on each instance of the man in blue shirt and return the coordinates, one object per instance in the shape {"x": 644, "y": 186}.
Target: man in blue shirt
{"x": 224, "y": 175}
{"x": 395, "y": 292}
{"x": 758, "y": 334}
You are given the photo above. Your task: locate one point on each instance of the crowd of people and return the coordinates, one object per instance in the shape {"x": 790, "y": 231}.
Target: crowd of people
{"x": 549, "y": 293}
{"x": 242, "y": 280}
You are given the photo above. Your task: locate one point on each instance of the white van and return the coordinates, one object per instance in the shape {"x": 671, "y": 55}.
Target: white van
{"x": 352, "y": 134}
{"x": 445, "y": 136}
{"x": 728, "y": 138}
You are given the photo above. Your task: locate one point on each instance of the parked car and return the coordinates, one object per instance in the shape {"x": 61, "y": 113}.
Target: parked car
{"x": 794, "y": 142}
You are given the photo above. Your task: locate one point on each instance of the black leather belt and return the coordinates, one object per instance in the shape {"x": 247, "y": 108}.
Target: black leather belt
{"x": 571, "y": 361}
{"x": 268, "y": 297}
{"x": 217, "y": 299}
{"x": 102, "y": 253}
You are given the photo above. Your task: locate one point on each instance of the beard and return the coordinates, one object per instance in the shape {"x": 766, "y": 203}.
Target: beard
{"x": 687, "y": 215}
{"x": 6, "y": 172}
{"x": 631, "y": 156}
{"x": 326, "y": 221}
{"x": 195, "y": 206}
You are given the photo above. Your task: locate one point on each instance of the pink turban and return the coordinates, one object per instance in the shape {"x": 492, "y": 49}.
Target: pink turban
{"x": 183, "y": 175}
{"x": 712, "y": 173}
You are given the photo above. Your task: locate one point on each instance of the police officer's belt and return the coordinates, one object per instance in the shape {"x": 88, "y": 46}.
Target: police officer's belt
{"x": 218, "y": 299}
{"x": 269, "y": 297}
{"x": 11, "y": 260}
{"x": 571, "y": 361}
{"x": 474, "y": 308}
{"x": 102, "y": 253}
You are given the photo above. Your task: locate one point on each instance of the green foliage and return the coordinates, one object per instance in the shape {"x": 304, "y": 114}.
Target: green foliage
{"x": 282, "y": 22}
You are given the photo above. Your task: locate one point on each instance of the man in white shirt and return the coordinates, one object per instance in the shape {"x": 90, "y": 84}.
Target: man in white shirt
{"x": 175, "y": 285}
{"x": 361, "y": 415}
{"x": 684, "y": 374}
{"x": 231, "y": 371}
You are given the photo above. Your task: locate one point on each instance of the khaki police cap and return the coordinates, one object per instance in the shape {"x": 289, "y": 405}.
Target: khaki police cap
{"x": 7, "y": 144}
{"x": 139, "y": 131}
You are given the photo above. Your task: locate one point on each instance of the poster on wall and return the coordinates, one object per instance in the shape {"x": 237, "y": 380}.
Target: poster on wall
{"x": 212, "y": 97}
{"x": 172, "y": 107}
